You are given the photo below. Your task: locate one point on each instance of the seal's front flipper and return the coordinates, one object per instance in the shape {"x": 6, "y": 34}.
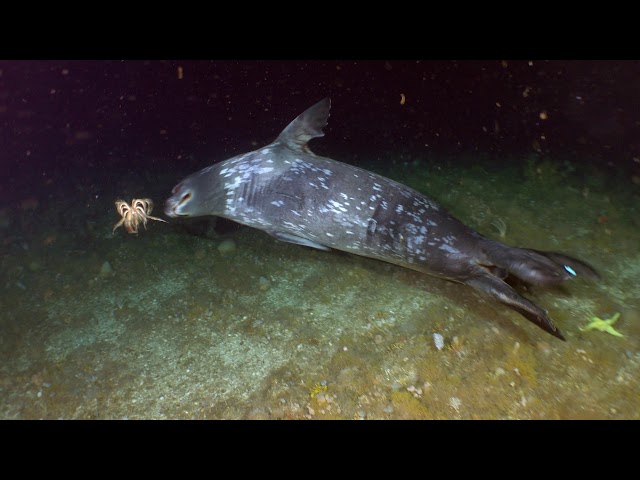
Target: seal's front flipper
{"x": 506, "y": 295}
{"x": 287, "y": 237}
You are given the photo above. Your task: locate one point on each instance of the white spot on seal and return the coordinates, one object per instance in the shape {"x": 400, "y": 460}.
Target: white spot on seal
{"x": 232, "y": 186}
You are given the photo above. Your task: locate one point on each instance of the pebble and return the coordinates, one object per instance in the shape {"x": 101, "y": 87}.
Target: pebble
{"x": 544, "y": 347}
{"x": 227, "y": 247}
{"x": 416, "y": 392}
{"x": 106, "y": 269}
{"x": 321, "y": 399}
{"x": 264, "y": 283}
{"x": 455, "y": 403}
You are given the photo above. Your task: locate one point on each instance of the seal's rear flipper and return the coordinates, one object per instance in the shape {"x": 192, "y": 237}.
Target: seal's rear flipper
{"x": 506, "y": 295}
{"x": 572, "y": 265}
{"x": 537, "y": 267}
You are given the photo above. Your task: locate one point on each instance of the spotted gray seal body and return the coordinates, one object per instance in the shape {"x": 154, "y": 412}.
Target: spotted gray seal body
{"x": 299, "y": 197}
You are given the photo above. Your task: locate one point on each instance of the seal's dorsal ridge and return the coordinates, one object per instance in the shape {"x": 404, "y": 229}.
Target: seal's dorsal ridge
{"x": 307, "y": 125}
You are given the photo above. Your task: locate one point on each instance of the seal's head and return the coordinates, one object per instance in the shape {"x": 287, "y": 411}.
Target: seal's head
{"x": 192, "y": 197}
{"x": 180, "y": 197}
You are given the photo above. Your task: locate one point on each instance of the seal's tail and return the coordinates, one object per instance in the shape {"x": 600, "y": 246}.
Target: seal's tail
{"x": 536, "y": 267}
{"x": 531, "y": 266}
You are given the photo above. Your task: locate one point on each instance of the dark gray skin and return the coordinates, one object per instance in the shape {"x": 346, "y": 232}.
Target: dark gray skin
{"x": 299, "y": 197}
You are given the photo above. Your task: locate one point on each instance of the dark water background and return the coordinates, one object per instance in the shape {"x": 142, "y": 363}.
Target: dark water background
{"x": 97, "y": 117}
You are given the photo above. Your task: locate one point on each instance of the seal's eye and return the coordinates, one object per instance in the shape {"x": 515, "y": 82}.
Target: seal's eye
{"x": 185, "y": 198}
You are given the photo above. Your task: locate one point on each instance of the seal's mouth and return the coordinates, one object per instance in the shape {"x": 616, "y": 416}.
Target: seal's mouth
{"x": 176, "y": 202}
{"x": 170, "y": 208}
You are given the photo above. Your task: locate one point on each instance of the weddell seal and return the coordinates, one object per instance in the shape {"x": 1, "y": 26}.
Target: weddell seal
{"x": 298, "y": 197}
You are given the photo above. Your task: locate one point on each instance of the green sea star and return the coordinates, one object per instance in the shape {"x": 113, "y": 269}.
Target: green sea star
{"x": 604, "y": 325}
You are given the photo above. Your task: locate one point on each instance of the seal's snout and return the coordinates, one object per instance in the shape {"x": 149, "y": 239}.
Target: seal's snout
{"x": 176, "y": 204}
{"x": 169, "y": 209}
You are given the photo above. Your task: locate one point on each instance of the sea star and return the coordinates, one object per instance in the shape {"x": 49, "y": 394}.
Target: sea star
{"x": 604, "y": 325}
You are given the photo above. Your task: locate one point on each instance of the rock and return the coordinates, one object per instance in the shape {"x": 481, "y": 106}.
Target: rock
{"x": 438, "y": 340}
{"x": 35, "y": 266}
{"x": 264, "y": 283}
{"x": 227, "y": 247}
{"x": 106, "y": 269}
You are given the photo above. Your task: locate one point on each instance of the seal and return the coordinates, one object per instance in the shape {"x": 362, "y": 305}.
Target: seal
{"x": 296, "y": 196}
